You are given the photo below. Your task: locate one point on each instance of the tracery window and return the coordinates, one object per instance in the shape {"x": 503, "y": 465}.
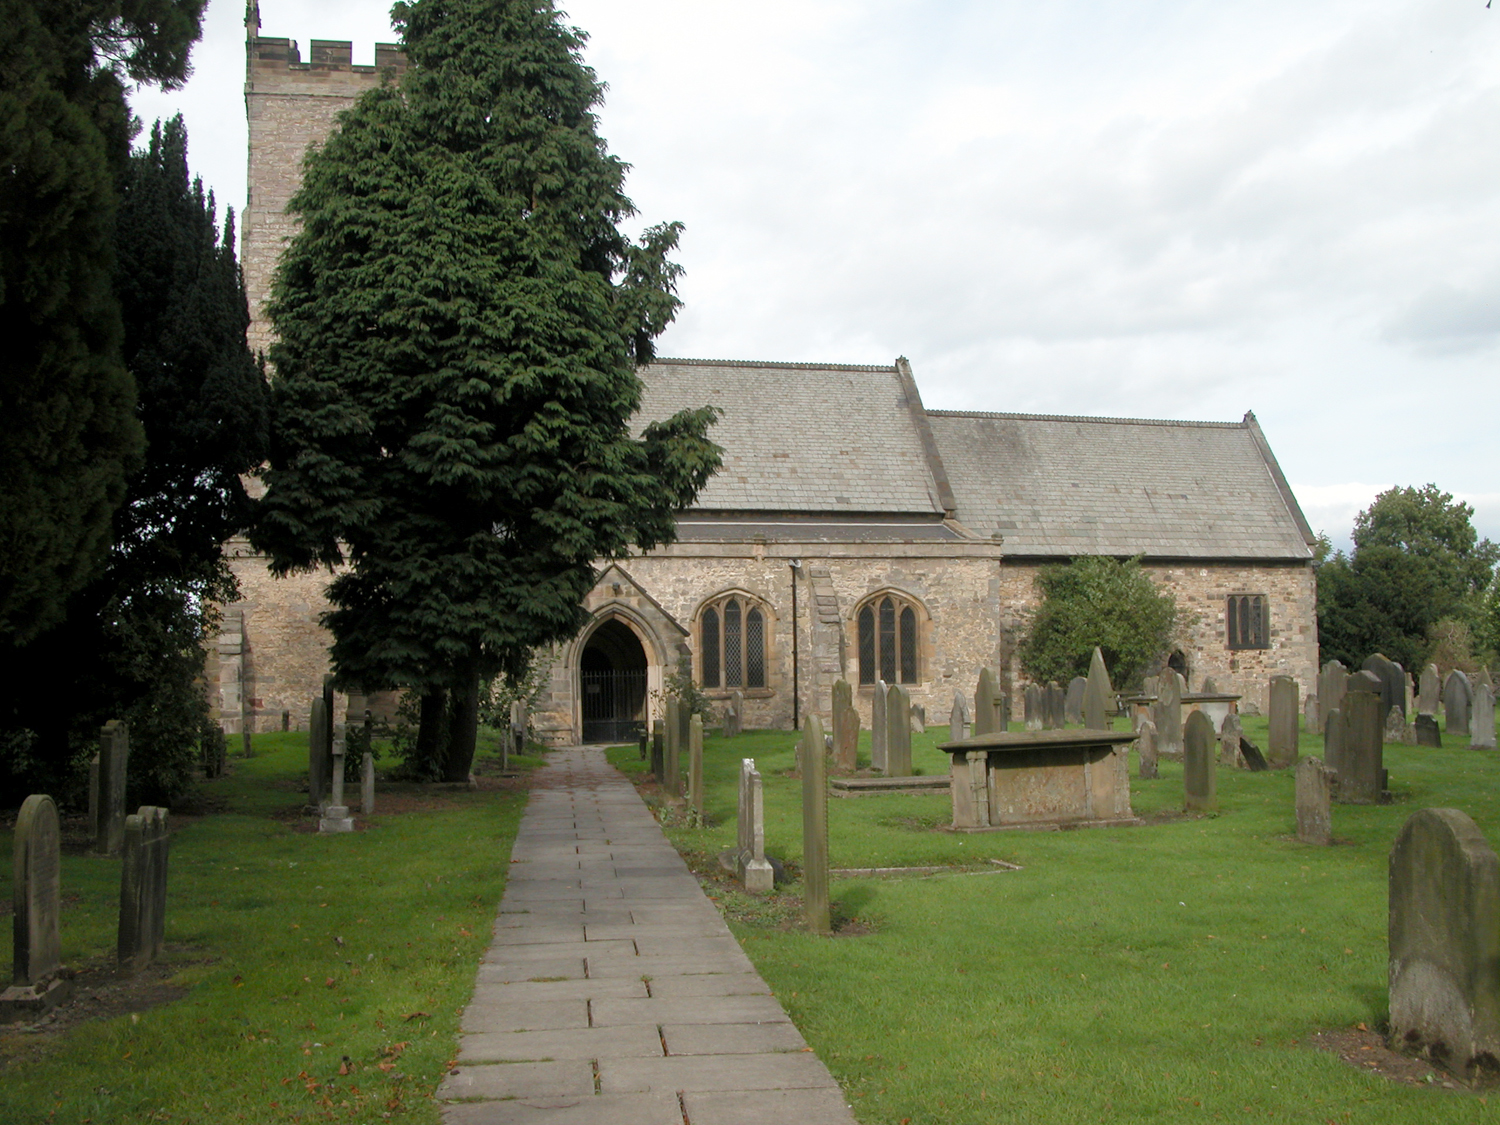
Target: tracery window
{"x": 732, "y": 643}
{"x": 888, "y": 640}
{"x": 1249, "y": 621}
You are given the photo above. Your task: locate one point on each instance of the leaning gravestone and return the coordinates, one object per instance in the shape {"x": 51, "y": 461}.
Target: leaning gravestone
{"x": 1097, "y": 693}
{"x": 1146, "y": 747}
{"x": 898, "y": 732}
{"x": 879, "y": 730}
{"x": 1167, "y": 714}
{"x": 1281, "y": 739}
{"x": 986, "y": 720}
{"x": 1332, "y": 683}
{"x": 958, "y": 718}
{"x": 114, "y": 759}
{"x": 751, "y": 865}
{"x": 1429, "y": 696}
{"x": 1053, "y": 698}
{"x": 695, "y": 767}
{"x": 845, "y": 727}
{"x": 143, "y": 889}
{"x": 1361, "y": 776}
{"x": 317, "y": 754}
{"x": 1458, "y": 698}
{"x": 36, "y": 902}
{"x": 1250, "y": 754}
{"x": 1392, "y": 681}
{"x": 1482, "y": 722}
{"x": 1444, "y": 941}
{"x": 1314, "y": 820}
{"x": 1427, "y": 731}
{"x": 815, "y": 904}
{"x": 1073, "y": 701}
{"x": 1034, "y": 702}
{"x": 1198, "y": 780}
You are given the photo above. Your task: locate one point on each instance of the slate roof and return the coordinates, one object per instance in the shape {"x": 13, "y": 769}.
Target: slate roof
{"x": 802, "y": 437}
{"x": 1056, "y": 486}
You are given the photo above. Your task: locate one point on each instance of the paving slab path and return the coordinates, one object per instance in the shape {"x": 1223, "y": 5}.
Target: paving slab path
{"x": 613, "y": 993}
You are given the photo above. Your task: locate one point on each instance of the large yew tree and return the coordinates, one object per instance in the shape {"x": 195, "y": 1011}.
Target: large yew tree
{"x": 459, "y": 324}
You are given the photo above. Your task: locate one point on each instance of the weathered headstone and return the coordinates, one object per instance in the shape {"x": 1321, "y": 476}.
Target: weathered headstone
{"x": 1209, "y": 687}
{"x": 1484, "y": 678}
{"x": 317, "y": 754}
{"x": 1167, "y": 714}
{"x": 734, "y": 715}
{"x": 958, "y": 718}
{"x": 1146, "y": 748}
{"x": 1198, "y": 773}
{"x": 336, "y": 816}
{"x": 1429, "y": 697}
{"x": 367, "y": 783}
{"x": 1333, "y": 740}
{"x": 815, "y": 903}
{"x": 659, "y": 750}
{"x": 695, "y": 767}
{"x": 1034, "y": 702}
{"x": 36, "y": 902}
{"x": 1098, "y": 693}
{"x": 1366, "y": 681}
{"x": 1053, "y": 698}
{"x": 1312, "y": 720}
{"x": 1073, "y": 701}
{"x": 1482, "y": 721}
{"x": 1458, "y": 699}
{"x": 94, "y": 793}
{"x": 1427, "y": 731}
{"x": 143, "y": 889}
{"x": 898, "y": 732}
{"x": 684, "y": 731}
{"x": 114, "y": 760}
{"x": 879, "y": 730}
{"x": 918, "y": 719}
{"x": 1361, "y": 776}
{"x": 1314, "y": 820}
{"x": 1230, "y": 734}
{"x": 1250, "y": 754}
{"x": 845, "y": 727}
{"x": 752, "y": 867}
{"x": 1281, "y": 738}
{"x": 1332, "y": 683}
{"x": 1392, "y": 682}
{"x": 1444, "y": 941}
{"x": 672, "y": 760}
{"x": 1395, "y": 726}
{"x": 986, "y": 721}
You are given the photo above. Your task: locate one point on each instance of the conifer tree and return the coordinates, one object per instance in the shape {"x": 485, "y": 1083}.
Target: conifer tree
{"x": 459, "y": 324}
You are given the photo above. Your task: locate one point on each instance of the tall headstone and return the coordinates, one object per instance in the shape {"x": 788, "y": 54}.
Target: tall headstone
{"x": 898, "y": 732}
{"x": 1073, "y": 703}
{"x": 985, "y": 718}
{"x": 845, "y": 727}
{"x": 1034, "y": 701}
{"x": 1332, "y": 683}
{"x": 1199, "y": 740}
{"x": 1458, "y": 699}
{"x": 37, "y": 892}
{"x": 1145, "y": 744}
{"x": 1230, "y": 735}
{"x": 958, "y": 718}
{"x": 879, "y": 730}
{"x": 1333, "y": 741}
{"x": 114, "y": 759}
{"x": 1482, "y": 721}
{"x": 1098, "y": 690}
{"x": 815, "y": 903}
{"x": 1429, "y": 697}
{"x": 695, "y": 767}
{"x": 1361, "y": 777}
{"x": 1314, "y": 820}
{"x": 1392, "y": 681}
{"x": 1427, "y": 731}
{"x": 367, "y": 783}
{"x": 659, "y": 750}
{"x": 1444, "y": 942}
{"x": 317, "y": 754}
{"x": 752, "y": 866}
{"x": 1312, "y": 720}
{"x": 672, "y": 760}
{"x": 1281, "y": 738}
{"x": 1053, "y": 698}
{"x": 1167, "y": 714}
{"x": 143, "y": 889}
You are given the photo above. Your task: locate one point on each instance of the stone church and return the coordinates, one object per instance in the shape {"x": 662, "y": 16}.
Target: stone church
{"x": 851, "y": 531}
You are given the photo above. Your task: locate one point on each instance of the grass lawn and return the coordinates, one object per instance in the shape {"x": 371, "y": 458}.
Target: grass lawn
{"x": 306, "y": 978}
{"x": 1174, "y": 971}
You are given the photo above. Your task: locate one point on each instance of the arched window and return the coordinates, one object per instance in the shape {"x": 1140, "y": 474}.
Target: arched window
{"x": 888, "y": 641}
{"x": 732, "y": 643}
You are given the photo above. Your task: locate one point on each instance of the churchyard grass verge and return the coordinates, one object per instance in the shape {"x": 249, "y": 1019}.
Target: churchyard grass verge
{"x": 317, "y": 977}
{"x": 1174, "y": 971}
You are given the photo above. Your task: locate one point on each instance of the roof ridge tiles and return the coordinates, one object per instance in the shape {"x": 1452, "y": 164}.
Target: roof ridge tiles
{"x": 664, "y": 360}
{"x": 1086, "y": 418}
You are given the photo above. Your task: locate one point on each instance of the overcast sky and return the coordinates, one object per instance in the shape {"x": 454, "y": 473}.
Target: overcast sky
{"x": 1164, "y": 209}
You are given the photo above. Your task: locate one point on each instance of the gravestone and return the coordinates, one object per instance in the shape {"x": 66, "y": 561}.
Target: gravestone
{"x": 643, "y": 743}
{"x": 815, "y": 903}
{"x": 1250, "y": 754}
{"x": 367, "y": 783}
{"x": 1395, "y": 726}
{"x": 36, "y": 901}
{"x": 1482, "y": 721}
{"x": 1034, "y": 703}
{"x": 1230, "y": 734}
{"x": 845, "y": 727}
{"x": 684, "y": 732}
{"x": 1097, "y": 694}
{"x": 658, "y": 750}
{"x": 1311, "y": 719}
{"x": 143, "y": 890}
{"x": 695, "y": 767}
{"x": 1458, "y": 699}
{"x": 1198, "y": 774}
{"x": 1146, "y": 747}
{"x": 898, "y": 732}
{"x": 1332, "y": 683}
{"x": 734, "y": 715}
{"x": 1484, "y": 678}
{"x": 1073, "y": 702}
{"x": 879, "y": 730}
{"x": 1281, "y": 738}
{"x": 1367, "y": 682}
{"x": 1314, "y": 820}
{"x": 1427, "y": 731}
{"x": 918, "y": 719}
{"x": 94, "y": 793}
{"x": 1361, "y": 776}
{"x": 114, "y": 759}
{"x": 317, "y": 755}
{"x": 1408, "y": 690}
{"x": 1444, "y": 942}
{"x": 1209, "y": 687}
{"x": 958, "y": 718}
{"x": 672, "y": 758}
{"x": 1333, "y": 741}
{"x": 752, "y": 867}
{"x": 1429, "y": 697}
{"x": 1053, "y": 698}
{"x": 986, "y": 719}
{"x": 1392, "y": 682}
{"x": 1166, "y": 712}
{"x": 336, "y": 816}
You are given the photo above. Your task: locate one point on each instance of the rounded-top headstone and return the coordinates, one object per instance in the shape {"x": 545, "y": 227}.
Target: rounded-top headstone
{"x": 37, "y": 891}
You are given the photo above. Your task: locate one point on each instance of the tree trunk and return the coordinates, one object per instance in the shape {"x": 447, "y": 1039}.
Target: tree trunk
{"x": 432, "y": 733}
{"x": 463, "y": 729}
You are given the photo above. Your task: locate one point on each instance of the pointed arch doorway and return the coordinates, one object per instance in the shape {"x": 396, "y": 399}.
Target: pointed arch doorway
{"x": 612, "y": 674}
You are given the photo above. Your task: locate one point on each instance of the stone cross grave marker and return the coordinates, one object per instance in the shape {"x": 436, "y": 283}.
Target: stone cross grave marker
{"x": 1146, "y": 747}
{"x": 143, "y": 889}
{"x": 879, "y": 730}
{"x": 336, "y": 816}
{"x": 1073, "y": 702}
{"x": 367, "y": 784}
{"x": 695, "y": 767}
{"x": 753, "y": 869}
{"x": 1458, "y": 698}
{"x": 898, "y": 732}
{"x": 1444, "y": 941}
{"x": 317, "y": 754}
{"x": 1097, "y": 694}
{"x": 1033, "y": 702}
{"x": 815, "y": 903}
{"x": 1482, "y": 721}
{"x": 114, "y": 759}
{"x": 845, "y": 727}
{"x": 1361, "y": 776}
{"x": 1314, "y": 820}
{"x": 1427, "y": 731}
{"x": 1167, "y": 714}
{"x": 958, "y": 718}
{"x": 1281, "y": 739}
{"x": 1429, "y": 697}
{"x": 1333, "y": 681}
{"x": 1198, "y": 773}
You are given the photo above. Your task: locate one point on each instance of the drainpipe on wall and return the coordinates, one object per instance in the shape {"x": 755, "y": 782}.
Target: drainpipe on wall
{"x": 796, "y": 565}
